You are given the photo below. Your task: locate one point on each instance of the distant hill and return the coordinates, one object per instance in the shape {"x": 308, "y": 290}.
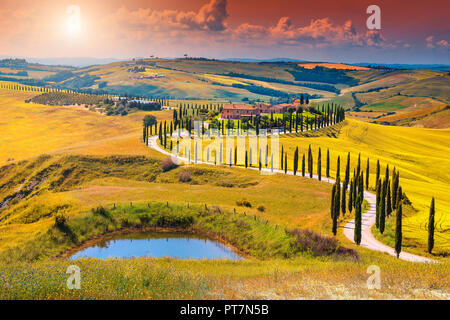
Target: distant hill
{"x": 437, "y": 67}
{"x": 385, "y": 95}
{"x": 264, "y": 60}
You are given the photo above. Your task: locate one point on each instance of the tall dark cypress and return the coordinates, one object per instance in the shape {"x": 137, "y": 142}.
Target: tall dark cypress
{"x": 355, "y": 183}
{"x": 338, "y": 197}
{"x": 347, "y": 170}
{"x": 378, "y": 204}
{"x": 285, "y": 163}
{"x": 328, "y": 163}
{"x": 295, "y": 161}
{"x": 399, "y": 195}
{"x": 398, "y": 230}
{"x": 311, "y": 164}
{"x": 350, "y": 197}
{"x": 431, "y": 227}
{"x": 358, "y": 221}
{"x": 336, "y": 211}
{"x": 388, "y": 199}
{"x": 303, "y": 165}
{"x": 358, "y": 168}
{"x": 333, "y": 193}
{"x": 361, "y": 185}
{"x": 367, "y": 174}
{"x": 338, "y": 167}
{"x": 395, "y": 186}
{"x": 319, "y": 165}
{"x": 309, "y": 159}
{"x": 383, "y": 208}
{"x": 344, "y": 203}
{"x": 378, "y": 170}
{"x": 246, "y": 158}
{"x": 386, "y": 178}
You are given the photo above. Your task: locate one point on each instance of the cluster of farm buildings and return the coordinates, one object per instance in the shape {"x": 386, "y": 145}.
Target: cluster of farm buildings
{"x": 238, "y": 111}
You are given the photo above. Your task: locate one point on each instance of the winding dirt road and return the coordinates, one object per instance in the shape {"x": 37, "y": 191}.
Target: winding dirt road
{"x": 368, "y": 219}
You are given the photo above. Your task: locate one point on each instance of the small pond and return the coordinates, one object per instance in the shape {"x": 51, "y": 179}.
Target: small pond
{"x": 149, "y": 244}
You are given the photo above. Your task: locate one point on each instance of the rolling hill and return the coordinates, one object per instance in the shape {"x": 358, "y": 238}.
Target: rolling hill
{"x": 381, "y": 95}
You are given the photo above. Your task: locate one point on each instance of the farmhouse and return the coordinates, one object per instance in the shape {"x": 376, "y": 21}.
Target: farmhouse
{"x": 284, "y": 107}
{"x": 238, "y": 111}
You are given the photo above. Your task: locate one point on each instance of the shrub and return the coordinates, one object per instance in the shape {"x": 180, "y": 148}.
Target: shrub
{"x": 168, "y": 164}
{"x": 101, "y": 211}
{"x": 174, "y": 221}
{"x": 60, "y": 221}
{"x": 184, "y": 176}
{"x": 244, "y": 203}
{"x": 318, "y": 245}
{"x": 261, "y": 208}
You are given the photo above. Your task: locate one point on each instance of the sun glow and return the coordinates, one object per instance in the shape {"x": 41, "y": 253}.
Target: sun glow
{"x": 73, "y": 23}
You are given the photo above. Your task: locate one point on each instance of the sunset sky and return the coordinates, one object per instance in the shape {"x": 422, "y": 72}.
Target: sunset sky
{"x": 319, "y": 30}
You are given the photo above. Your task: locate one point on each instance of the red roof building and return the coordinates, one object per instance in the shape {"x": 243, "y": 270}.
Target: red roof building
{"x": 237, "y": 111}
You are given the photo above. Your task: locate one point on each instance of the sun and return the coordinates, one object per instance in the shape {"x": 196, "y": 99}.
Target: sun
{"x": 73, "y": 23}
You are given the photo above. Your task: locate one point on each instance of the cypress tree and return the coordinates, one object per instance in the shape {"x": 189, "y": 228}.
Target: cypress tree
{"x": 367, "y": 174}
{"x": 347, "y": 170}
{"x": 398, "y": 230}
{"x": 344, "y": 193}
{"x": 388, "y": 200}
{"x": 358, "y": 169}
{"x": 285, "y": 163}
{"x": 378, "y": 204}
{"x": 246, "y": 159}
{"x": 399, "y": 195}
{"x": 328, "y": 163}
{"x": 338, "y": 197}
{"x": 378, "y": 170}
{"x": 395, "y": 185}
{"x": 386, "y": 178}
{"x": 350, "y": 197}
{"x": 431, "y": 227}
{"x": 309, "y": 160}
{"x": 295, "y": 161}
{"x": 336, "y": 212}
{"x": 338, "y": 167}
{"x": 333, "y": 193}
{"x": 361, "y": 185}
{"x": 303, "y": 165}
{"x": 383, "y": 209}
{"x": 355, "y": 183}
{"x": 358, "y": 221}
{"x": 319, "y": 165}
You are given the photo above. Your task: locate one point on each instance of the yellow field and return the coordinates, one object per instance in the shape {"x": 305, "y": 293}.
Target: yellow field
{"x": 341, "y": 66}
{"x": 28, "y": 130}
{"x": 222, "y": 79}
{"x": 421, "y": 156}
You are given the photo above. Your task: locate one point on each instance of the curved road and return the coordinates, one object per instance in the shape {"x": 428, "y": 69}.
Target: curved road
{"x": 368, "y": 219}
